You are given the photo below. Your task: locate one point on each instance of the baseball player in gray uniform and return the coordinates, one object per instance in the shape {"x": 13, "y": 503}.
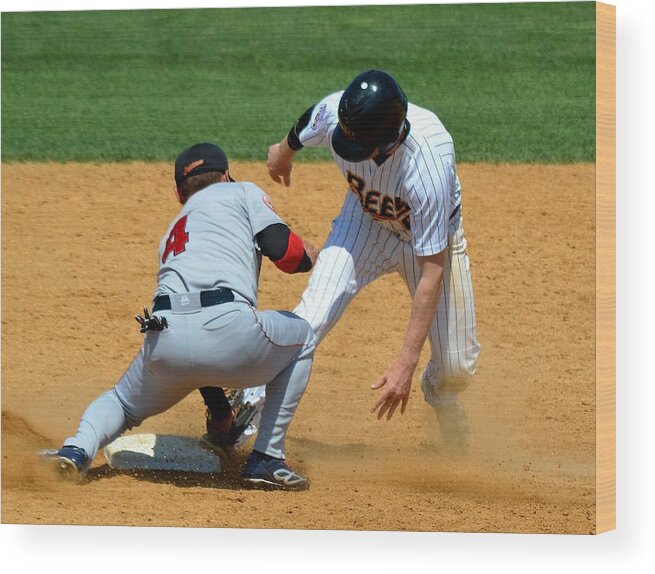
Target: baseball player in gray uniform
{"x": 205, "y": 329}
{"x": 402, "y": 213}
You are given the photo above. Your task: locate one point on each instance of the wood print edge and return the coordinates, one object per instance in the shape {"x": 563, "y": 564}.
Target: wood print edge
{"x": 605, "y": 267}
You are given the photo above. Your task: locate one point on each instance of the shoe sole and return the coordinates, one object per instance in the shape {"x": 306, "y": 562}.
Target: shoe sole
{"x": 271, "y": 485}
{"x": 65, "y": 467}
{"x": 68, "y": 468}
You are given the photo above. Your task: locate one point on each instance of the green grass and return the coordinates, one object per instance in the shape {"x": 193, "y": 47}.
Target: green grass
{"x": 511, "y": 82}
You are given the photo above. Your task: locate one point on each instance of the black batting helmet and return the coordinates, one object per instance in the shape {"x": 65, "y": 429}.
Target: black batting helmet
{"x": 372, "y": 114}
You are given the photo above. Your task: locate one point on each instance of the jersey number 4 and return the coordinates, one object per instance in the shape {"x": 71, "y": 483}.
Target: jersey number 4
{"x": 177, "y": 240}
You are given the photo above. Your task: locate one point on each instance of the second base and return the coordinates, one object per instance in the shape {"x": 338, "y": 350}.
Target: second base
{"x": 161, "y": 452}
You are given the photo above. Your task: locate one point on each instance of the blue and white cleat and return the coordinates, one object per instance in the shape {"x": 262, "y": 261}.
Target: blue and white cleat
{"x": 71, "y": 462}
{"x": 265, "y": 471}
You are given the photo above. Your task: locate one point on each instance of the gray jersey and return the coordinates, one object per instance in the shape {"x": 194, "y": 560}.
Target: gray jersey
{"x": 211, "y": 243}
{"x": 416, "y": 192}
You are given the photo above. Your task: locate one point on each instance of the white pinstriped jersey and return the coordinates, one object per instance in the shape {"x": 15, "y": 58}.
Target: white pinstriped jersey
{"x": 416, "y": 192}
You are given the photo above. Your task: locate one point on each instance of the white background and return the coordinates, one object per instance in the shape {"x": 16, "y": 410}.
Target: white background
{"x": 628, "y": 549}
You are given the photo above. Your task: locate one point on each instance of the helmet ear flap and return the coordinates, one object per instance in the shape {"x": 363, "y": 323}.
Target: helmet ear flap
{"x": 385, "y": 150}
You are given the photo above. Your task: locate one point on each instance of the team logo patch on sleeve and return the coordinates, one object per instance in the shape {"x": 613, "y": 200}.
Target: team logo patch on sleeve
{"x": 320, "y": 116}
{"x": 267, "y": 201}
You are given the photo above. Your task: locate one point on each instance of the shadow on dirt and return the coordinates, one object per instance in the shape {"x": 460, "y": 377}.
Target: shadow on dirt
{"x": 229, "y": 479}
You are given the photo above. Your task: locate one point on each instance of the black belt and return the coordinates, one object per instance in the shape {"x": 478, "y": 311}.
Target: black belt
{"x": 207, "y": 299}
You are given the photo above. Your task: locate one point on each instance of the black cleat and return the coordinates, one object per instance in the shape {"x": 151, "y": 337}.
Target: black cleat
{"x": 232, "y": 431}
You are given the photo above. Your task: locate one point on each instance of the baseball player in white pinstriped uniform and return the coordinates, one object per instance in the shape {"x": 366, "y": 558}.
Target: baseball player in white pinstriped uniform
{"x": 402, "y": 213}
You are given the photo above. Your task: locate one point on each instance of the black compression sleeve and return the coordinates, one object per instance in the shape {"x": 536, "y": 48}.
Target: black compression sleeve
{"x": 293, "y": 138}
{"x": 274, "y": 240}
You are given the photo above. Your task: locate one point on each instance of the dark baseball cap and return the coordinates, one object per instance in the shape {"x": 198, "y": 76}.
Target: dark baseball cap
{"x": 200, "y": 158}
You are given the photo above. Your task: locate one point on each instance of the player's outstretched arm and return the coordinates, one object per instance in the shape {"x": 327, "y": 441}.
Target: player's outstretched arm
{"x": 279, "y": 162}
{"x": 280, "y": 155}
{"x": 396, "y": 382}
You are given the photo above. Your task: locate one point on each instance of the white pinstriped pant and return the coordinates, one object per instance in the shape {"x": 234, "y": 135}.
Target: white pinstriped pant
{"x": 358, "y": 251}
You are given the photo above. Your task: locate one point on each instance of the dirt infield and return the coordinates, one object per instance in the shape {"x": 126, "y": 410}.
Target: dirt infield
{"x": 79, "y": 259}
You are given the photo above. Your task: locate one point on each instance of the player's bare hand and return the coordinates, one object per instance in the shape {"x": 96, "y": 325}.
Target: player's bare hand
{"x": 279, "y": 165}
{"x": 311, "y": 251}
{"x": 396, "y": 383}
